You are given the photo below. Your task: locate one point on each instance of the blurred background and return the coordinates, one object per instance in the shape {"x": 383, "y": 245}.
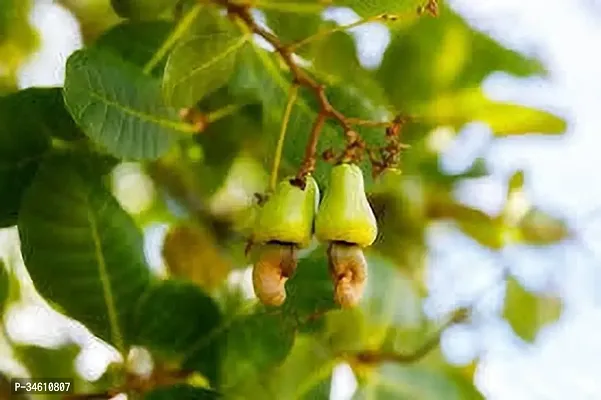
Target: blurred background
{"x": 560, "y": 174}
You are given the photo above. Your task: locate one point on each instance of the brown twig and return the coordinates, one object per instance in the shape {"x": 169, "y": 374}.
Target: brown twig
{"x": 160, "y": 377}
{"x": 308, "y": 165}
{"x": 300, "y": 76}
{"x": 355, "y": 145}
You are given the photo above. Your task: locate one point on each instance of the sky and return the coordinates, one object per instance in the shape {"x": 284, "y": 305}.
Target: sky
{"x": 560, "y": 177}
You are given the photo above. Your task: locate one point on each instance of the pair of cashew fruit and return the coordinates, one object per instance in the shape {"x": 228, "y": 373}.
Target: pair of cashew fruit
{"x": 287, "y": 221}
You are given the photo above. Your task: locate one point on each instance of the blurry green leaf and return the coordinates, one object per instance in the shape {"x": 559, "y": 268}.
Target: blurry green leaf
{"x": 400, "y": 210}
{"x": 310, "y": 291}
{"x": 527, "y": 312}
{"x": 342, "y": 68}
{"x": 540, "y": 228}
{"x": 370, "y": 8}
{"x": 136, "y": 42}
{"x": 49, "y": 362}
{"x": 141, "y": 9}
{"x": 191, "y": 252}
{"x": 28, "y": 121}
{"x": 396, "y": 382}
{"x": 390, "y": 298}
{"x": 172, "y": 315}
{"x": 4, "y": 286}
{"x": 18, "y": 39}
{"x": 200, "y": 66}
{"x": 247, "y": 346}
{"x": 438, "y": 56}
{"x": 292, "y": 27}
{"x": 118, "y": 107}
{"x": 94, "y": 16}
{"x": 516, "y": 182}
{"x": 305, "y": 374}
{"x": 181, "y": 392}
{"x": 484, "y": 229}
{"x": 224, "y": 139}
{"x": 504, "y": 119}
{"x": 345, "y": 330}
{"x": 255, "y": 344}
{"x": 82, "y": 251}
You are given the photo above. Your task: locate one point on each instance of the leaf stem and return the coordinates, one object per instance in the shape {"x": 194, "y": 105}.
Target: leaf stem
{"x": 181, "y": 28}
{"x": 321, "y": 34}
{"x": 308, "y": 165}
{"x": 290, "y": 7}
{"x": 222, "y": 112}
{"x": 280, "y": 145}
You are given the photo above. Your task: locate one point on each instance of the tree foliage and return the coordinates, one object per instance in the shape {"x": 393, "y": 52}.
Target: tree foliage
{"x": 188, "y": 91}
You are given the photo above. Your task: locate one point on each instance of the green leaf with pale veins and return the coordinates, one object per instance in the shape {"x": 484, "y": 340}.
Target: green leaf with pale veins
{"x": 527, "y": 312}
{"x": 82, "y": 251}
{"x": 172, "y": 315}
{"x": 29, "y": 120}
{"x": 142, "y": 9}
{"x": 119, "y": 107}
{"x": 200, "y": 66}
{"x": 181, "y": 392}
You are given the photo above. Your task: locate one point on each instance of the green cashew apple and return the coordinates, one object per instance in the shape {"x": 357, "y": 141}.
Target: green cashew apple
{"x": 346, "y": 221}
{"x": 345, "y": 214}
{"x": 287, "y": 216}
{"x": 284, "y": 224}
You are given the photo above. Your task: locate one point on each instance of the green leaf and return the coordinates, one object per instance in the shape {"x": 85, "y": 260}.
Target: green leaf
{"x": 292, "y": 27}
{"x": 441, "y": 56}
{"x": 118, "y": 107}
{"x": 306, "y": 373}
{"x": 248, "y": 346}
{"x": 393, "y": 382}
{"x": 18, "y": 39}
{"x": 402, "y": 304}
{"x": 342, "y": 68}
{"x": 255, "y": 344}
{"x": 310, "y": 290}
{"x": 5, "y": 279}
{"x": 370, "y": 8}
{"x": 516, "y": 182}
{"x": 136, "y": 42}
{"x": 539, "y": 228}
{"x": 49, "y": 362}
{"x": 527, "y": 312}
{"x": 172, "y": 315}
{"x": 484, "y": 229}
{"x": 141, "y": 9}
{"x": 200, "y": 66}
{"x": 505, "y": 119}
{"x": 83, "y": 252}
{"x": 260, "y": 77}
{"x": 28, "y": 121}
{"x": 181, "y": 392}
